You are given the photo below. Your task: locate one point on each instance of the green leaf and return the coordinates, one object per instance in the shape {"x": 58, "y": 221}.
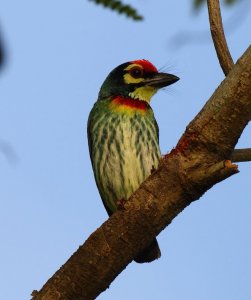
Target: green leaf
{"x": 198, "y": 3}
{"x": 121, "y": 8}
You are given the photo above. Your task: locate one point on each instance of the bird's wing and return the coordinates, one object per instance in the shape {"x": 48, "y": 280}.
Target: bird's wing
{"x": 157, "y": 129}
{"x": 90, "y": 142}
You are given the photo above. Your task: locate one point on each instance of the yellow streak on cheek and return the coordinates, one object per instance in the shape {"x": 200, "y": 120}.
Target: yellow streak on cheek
{"x": 129, "y": 79}
{"x": 144, "y": 93}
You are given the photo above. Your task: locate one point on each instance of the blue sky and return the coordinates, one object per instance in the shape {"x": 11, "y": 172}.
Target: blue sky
{"x": 59, "y": 53}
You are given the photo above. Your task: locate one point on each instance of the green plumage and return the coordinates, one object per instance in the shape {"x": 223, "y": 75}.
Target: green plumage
{"x": 123, "y": 135}
{"x": 123, "y": 148}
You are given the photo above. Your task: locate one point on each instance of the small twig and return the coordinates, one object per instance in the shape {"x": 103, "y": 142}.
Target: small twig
{"x": 218, "y": 36}
{"x": 241, "y": 155}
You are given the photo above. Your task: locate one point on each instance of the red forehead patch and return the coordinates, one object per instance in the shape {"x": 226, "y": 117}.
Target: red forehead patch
{"x": 147, "y": 65}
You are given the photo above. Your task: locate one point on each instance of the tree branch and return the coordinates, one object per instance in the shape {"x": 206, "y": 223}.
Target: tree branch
{"x": 218, "y": 36}
{"x": 199, "y": 161}
{"x": 241, "y": 155}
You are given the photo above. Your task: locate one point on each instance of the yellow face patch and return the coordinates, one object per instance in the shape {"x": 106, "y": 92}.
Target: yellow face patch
{"x": 128, "y": 77}
{"x": 144, "y": 93}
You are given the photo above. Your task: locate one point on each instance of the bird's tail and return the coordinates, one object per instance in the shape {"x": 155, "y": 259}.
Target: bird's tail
{"x": 149, "y": 254}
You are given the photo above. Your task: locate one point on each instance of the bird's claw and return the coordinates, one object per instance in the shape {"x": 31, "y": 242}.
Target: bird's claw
{"x": 121, "y": 204}
{"x": 153, "y": 169}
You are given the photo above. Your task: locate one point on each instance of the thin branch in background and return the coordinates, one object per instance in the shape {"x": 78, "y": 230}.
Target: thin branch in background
{"x": 218, "y": 36}
{"x": 199, "y": 3}
{"x": 241, "y": 155}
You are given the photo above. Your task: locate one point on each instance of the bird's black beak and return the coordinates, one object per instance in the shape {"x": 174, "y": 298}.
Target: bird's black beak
{"x": 160, "y": 80}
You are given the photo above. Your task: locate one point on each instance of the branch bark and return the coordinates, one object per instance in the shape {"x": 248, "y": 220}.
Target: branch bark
{"x": 225, "y": 60}
{"x": 241, "y": 155}
{"x": 200, "y": 160}
{"x": 218, "y": 36}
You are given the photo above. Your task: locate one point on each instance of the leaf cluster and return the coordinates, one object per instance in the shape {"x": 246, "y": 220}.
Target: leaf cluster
{"x": 120, "y": 8}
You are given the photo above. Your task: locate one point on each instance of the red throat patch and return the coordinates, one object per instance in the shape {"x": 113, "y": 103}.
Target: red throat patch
{"x": 146, "y": 65}
{"x": 131, "y": 103}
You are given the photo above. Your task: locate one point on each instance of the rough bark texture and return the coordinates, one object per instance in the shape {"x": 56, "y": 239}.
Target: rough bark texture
{"x": 199, "y": 161}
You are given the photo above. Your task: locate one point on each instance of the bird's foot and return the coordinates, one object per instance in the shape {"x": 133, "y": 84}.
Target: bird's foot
{"x": 153, "y": 169}
{"x": 121, "y": 204}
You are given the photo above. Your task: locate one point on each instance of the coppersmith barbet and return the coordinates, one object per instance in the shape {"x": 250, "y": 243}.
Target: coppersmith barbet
{"x": 123, "y": 135}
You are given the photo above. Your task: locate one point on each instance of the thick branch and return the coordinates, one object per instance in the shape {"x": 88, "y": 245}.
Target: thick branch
{"x": 218, "y": 36}
{"x": 195, "y": 165}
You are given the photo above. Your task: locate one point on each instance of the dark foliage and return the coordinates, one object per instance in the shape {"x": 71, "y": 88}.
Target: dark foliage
{"x": 121, "y": 8}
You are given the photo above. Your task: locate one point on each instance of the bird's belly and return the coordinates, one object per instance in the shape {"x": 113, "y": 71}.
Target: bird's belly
{"x": 129, "y": 155}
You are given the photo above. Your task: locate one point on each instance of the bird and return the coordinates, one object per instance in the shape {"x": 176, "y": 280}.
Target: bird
{"x": 123, "y": 135}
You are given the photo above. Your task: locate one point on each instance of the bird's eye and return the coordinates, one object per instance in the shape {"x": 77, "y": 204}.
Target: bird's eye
{"x": 136, "y": 72}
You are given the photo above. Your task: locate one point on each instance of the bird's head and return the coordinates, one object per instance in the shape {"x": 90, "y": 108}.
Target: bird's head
{"x": 137, "y": 79}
